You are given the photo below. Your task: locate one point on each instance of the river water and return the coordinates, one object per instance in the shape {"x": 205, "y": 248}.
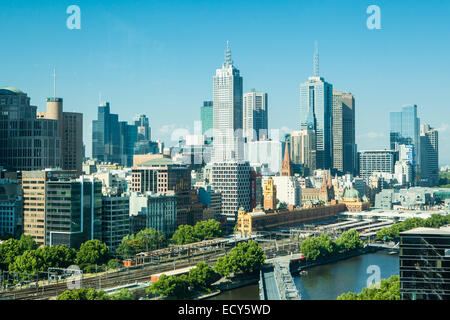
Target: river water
{"x": 327, "y": 282}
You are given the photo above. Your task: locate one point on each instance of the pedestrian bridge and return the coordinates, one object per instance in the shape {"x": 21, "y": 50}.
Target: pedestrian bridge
{"x": 276, "y": 282}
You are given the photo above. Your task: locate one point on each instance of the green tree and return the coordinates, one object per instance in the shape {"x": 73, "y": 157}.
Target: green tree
{"x": 92, "y": 252}
{"x": 389, "y": 289}
{"x": 151, "y": 239}
{"x": 246, "y": 257}
{"x": 32, "y": 261}
{"x": 202, "y": 276}
{"x": 83, "y": 294}
{"x": 184, "y": 234}
{"x": 170, "y": 286}
{"x": 208, "y": 229}
{"x": 123, "y": 294}
{"x": 349, "y": 241}
{"x": 12, "y": 248}
{"x": 114, "y": 264}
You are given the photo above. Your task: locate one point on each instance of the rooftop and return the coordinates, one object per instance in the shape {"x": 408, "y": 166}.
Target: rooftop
{"x": 10, "y": 90}
{"x": 443, "y": 231}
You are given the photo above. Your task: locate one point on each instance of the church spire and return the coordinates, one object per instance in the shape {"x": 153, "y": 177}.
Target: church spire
{"x": 286, "y": 169}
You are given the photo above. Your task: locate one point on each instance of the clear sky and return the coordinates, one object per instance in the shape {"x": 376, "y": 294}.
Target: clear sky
{"x": 159, "y": 58}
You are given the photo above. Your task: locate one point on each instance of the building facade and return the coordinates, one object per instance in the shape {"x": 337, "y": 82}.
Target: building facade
{"x": 382, "y": 161}
{"x": 425, "y": 264}
{"x": 255, "y": 120}
{"x": 344, "y": 143}
{"x": 227, "y": 114}
{"x": 429, "y": 159}
{"x": 115, "y": 220}
{"x": 11, "y": 208}
{"x": 26, "y": 142}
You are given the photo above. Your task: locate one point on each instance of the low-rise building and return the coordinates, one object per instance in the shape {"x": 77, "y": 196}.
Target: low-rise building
{"x": 11, "y": 208}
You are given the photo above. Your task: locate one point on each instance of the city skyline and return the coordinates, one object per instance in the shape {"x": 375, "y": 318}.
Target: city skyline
{"x": 369, "y": 134}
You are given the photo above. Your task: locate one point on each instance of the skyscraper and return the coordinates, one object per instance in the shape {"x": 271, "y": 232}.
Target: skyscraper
{"x": 227, "y": 114}
{"x": 255, "y": 123}
{"x": 405, "y": 129}
{"x": 206, "y": 113}
{"x": 343, "y": 129}
{"x": 381, "y": 161}
{"x": 106, "y": 135}
{"x": 70, "y": 131}
{"x": 429, "y": 155}
{"x": 26, "y": 142}
{"x": 316, "y": 107}
{"x": 303, "y": 148}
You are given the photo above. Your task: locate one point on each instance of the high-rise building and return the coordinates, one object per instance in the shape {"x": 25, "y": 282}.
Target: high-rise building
{"x": 73, "y": 211}
{"x": 70, "y": 131}
{"x": 425, "y": 264}
{"x": 429, "y": 155}
{"x": 26, "y": 142}
{"x": 255, "y": 121}
{"x": 106, "y": 136}
{"x": 405, "y": 130}
{"x": 303, "y": 148}
{"x": 159, "y": 211}
{"x": 34, "y": 185}
{"x": 232, "y": 179}
{"x": 227, "y": 114}
{"x": 115, "y": 219}
{"x": 381, "y": 161}
{"x": 206, "y": 113}
{"x": 117, "y": 141}
{"x": 344, "y": 145}
{"x": 11, "y": 208}
{"x": 288, "y": 190}
{"x": 316, "y": 111}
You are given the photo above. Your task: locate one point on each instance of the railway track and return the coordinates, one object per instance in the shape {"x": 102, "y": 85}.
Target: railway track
{"x": 131, "y": 275}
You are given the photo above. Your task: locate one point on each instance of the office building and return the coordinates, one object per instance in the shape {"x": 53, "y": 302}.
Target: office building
{"x": 429, "y": 155}
{"x": 26, "y": 142}
{"x": 115, "y": 220}
{"x": 405, "y": 130}
{"x": 255, "y": 121}
{"x": 206, "y": 114}
{"x": 11, "y": 208}
{"x": 343, "y": 128}
{"x": 158, "y": 210}
{"x": 380, "y": 161}
{"x": 303, "y": 148}
{"x": 425, "y": 264}
{"x": 70, "y": 132}
{"x": 34, "y": 186}
{"x": 227, "y": 112}
{"x": 289, "y": 191}
{"x": 316, "y": 111}
{"x": 106, "y": 136}
{"x": 232, "y": 179}
{"x": 73, "y": 211}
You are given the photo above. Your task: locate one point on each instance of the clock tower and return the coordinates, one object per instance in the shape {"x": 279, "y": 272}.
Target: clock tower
{"x": 270, "y": 195}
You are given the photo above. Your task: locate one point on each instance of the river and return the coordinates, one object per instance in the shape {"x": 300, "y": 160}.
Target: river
{"x": 327, "y": 282}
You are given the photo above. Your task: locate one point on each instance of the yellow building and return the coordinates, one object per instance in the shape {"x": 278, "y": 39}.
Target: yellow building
{"x": 270, "y": 195}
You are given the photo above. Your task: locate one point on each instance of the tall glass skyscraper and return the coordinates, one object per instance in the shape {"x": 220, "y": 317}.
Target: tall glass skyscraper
{"x": 316, "y": 113}
{"x": 206, "y": 113}
{"x": 227, "y": 114}
{"x": 405, "y": 130}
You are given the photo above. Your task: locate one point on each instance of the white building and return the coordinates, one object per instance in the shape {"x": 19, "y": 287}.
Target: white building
{"x": 403, "y": 172}
{"x": 227, "y": 112}
{"x": 232, "y": 179}
{"x": 288, "y": 190}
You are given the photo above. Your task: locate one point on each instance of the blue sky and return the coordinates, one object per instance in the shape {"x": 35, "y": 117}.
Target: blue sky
{"x": 159, "y": 58}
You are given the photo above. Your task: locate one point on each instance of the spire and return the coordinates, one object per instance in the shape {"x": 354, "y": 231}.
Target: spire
{"x": 330, "y": 183}
{"x": 316, "y": 59}
{"x": 228, "y": 61}
{"x": 286, "y": 169}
